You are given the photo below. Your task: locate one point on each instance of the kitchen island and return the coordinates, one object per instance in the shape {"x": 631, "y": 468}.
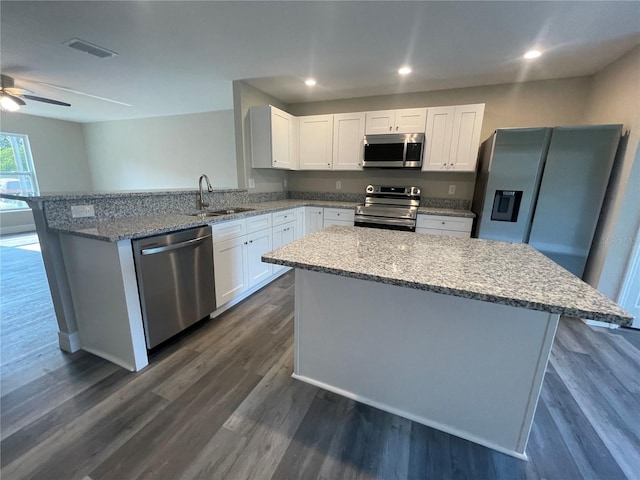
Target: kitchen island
{"x": 452, "y": 333}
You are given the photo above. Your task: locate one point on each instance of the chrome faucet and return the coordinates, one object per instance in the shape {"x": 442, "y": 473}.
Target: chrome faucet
{"x": 201, "y": 203}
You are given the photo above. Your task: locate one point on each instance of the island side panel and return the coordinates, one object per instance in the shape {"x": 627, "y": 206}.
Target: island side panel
{"x": 470, "y": 368}
{"x": 105, "y": 297}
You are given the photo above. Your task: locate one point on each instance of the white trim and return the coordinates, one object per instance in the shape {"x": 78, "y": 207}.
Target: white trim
{"x": 69, "y": 342}
{"x": 113, "y": 359}
{"x": 596, "y": 323}
{"x": 17, "y": 228}
{"x": 415, "y": 418}
{"x": 632, "y": 271}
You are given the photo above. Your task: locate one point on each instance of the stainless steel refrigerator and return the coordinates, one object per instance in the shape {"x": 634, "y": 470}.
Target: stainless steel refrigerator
{"x": 545, "y": 187}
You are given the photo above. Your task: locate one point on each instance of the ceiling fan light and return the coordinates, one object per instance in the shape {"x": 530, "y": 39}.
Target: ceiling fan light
{"x": 9, "y": 103}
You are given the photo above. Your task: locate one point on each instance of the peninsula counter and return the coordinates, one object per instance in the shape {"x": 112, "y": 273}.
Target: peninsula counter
{"x": 452, "y": 333}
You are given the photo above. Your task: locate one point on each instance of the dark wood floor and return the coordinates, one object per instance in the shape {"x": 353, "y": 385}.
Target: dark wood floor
{"x": 219, "y": 402}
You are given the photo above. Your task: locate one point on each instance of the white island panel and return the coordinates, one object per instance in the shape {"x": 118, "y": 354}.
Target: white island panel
{"x": 103, "y": 286}
{"x": 470, "y": 368}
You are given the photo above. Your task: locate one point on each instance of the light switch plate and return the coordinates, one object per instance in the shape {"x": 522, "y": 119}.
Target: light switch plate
{"x": 452, "y": 189}
{"x": 82, "y": 211}
{"x": 252, "y": 183}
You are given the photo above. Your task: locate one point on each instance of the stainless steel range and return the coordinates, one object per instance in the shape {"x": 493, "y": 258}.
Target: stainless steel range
{"x": 393, "y": 208}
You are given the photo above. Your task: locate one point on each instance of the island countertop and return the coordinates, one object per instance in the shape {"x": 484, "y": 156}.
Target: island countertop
{"x": 498, "y": 272}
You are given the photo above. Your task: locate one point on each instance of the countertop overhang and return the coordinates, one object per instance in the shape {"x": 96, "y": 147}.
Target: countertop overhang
{"x": 498, "y": 272}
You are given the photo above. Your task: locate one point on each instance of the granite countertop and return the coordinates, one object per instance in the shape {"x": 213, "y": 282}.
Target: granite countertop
{"x": 497, "y": 272}
{"x": 113, "y": 230}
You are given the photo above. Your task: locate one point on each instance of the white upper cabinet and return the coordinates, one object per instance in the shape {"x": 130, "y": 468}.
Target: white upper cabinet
{"x": 274, "y": 138}
{"x": 316, "y": 142}
{"x": 465, "y": 140}
{"x": 410, "y": 120}
{"x": 348, "y": 141}
{"x": 453, "y": 138}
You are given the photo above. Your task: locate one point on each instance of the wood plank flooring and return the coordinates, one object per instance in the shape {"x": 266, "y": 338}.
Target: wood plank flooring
{"x": 219, "y": 403}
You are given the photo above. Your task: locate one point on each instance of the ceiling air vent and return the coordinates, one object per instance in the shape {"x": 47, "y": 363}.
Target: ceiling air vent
{"x": 90, "y": 48}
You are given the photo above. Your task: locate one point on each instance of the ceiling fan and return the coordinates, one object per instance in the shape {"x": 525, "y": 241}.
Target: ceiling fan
{"x": 11, "y": 97}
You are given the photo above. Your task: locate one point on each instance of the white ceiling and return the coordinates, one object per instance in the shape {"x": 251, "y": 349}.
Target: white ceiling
{"x": 178, "y": 57}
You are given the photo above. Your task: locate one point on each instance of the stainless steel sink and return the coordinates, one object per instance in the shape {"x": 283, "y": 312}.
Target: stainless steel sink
{"x": 218, "y": 213}
{"x": 205, "y": 214}
{"x": 229, "y": 211}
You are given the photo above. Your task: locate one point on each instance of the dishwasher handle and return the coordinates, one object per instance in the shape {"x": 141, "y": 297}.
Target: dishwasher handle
{"x": 167, "y": 248}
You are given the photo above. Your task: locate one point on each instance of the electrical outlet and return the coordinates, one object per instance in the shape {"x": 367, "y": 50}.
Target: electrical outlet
{"x": 82, "y": 211}
{"x": 252, "y": 183}
{"x": 452, "y": 189}
{"x": 338, "y": 184}
{"x": 285, "y": 183}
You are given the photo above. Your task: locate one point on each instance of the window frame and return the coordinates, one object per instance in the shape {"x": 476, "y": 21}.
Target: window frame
{"x": 24, "y": 176}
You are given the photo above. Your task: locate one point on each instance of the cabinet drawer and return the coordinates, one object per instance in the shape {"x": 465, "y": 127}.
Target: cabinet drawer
{"x": 283, "y": 217}
{"x": 445, "y": 223}
{"x": 259, "y": 222}
{"x": 342, "y": 214}
{"x": 226, "y": 230}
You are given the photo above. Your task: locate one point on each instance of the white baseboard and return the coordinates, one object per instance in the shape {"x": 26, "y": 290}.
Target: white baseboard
{"x": 69, "y": 342}
{"x": 596, "y": 323}
{"x": 17, "y": 229}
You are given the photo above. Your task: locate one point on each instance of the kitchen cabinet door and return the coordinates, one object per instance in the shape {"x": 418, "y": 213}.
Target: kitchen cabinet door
{"x": 410, "y": 120}
{"x": 438, "y": 138}
{"x": 313, "y": 219}
{"x": 299, "y": 222}
{"x": 348, "y": 141}
{"x": 258, "y": 243}
{"x": 453, "y": 138}
{"x": 316, "y": 142}
{"x": 230, "y": 269}
{"x": 381, "y": 121}
{"x": 282, "y": 235}
{"x": 273, "y": 138}
{"x": 467, "y": 124}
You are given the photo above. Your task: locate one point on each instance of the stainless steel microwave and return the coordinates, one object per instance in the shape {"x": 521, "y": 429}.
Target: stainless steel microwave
{"x": 394, "y": 150}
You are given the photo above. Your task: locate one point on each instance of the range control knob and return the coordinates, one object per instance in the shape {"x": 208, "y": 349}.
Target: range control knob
{"x": 369, "y": 188}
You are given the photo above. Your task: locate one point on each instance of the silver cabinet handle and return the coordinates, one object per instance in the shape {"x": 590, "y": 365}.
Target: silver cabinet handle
{"x": 167, "y": 248}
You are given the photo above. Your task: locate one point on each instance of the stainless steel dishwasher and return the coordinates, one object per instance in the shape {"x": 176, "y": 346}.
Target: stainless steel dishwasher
{"x": 175, "y": 281}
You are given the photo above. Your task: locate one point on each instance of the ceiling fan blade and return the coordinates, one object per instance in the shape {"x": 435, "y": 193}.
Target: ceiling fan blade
{"x": 16, "y": 90}
{"x": 46, "y": 100}
{"x": 18, "y": 100}
{"x": 84, "y": 94}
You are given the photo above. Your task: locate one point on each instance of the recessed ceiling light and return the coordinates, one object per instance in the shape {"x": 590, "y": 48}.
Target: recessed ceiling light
{"x": 310, "y": 82}
{"x": 404, "y": 71}
{"x": 532, "y": 54}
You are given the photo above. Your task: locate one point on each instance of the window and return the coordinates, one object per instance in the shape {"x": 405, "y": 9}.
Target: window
{"x": 17, "y": 174}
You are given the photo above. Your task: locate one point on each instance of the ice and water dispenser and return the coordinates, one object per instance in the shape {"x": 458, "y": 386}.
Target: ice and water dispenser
{"x": 506, "y": 205}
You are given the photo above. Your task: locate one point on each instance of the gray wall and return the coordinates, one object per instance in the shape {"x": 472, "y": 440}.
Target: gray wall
{"x": 162, "y": 152}
{"x": 59, "y": 157}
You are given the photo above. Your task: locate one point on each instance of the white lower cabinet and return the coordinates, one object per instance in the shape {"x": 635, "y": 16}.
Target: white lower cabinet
{"x": 258, "y": 243}
{"x": 443, "y": 225}
{"x": 230, "y": 268}
{"x": 338, "y": 216}
{"x": 313, "y": 219}
{"x": 237, "y": 255}
{"x": 283, "y": 234}
{"x": 299, "y": 222}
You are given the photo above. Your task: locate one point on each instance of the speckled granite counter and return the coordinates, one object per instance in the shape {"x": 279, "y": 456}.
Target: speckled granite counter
{"x": 496, "y": 272}
{"x": 143, "y": 226}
